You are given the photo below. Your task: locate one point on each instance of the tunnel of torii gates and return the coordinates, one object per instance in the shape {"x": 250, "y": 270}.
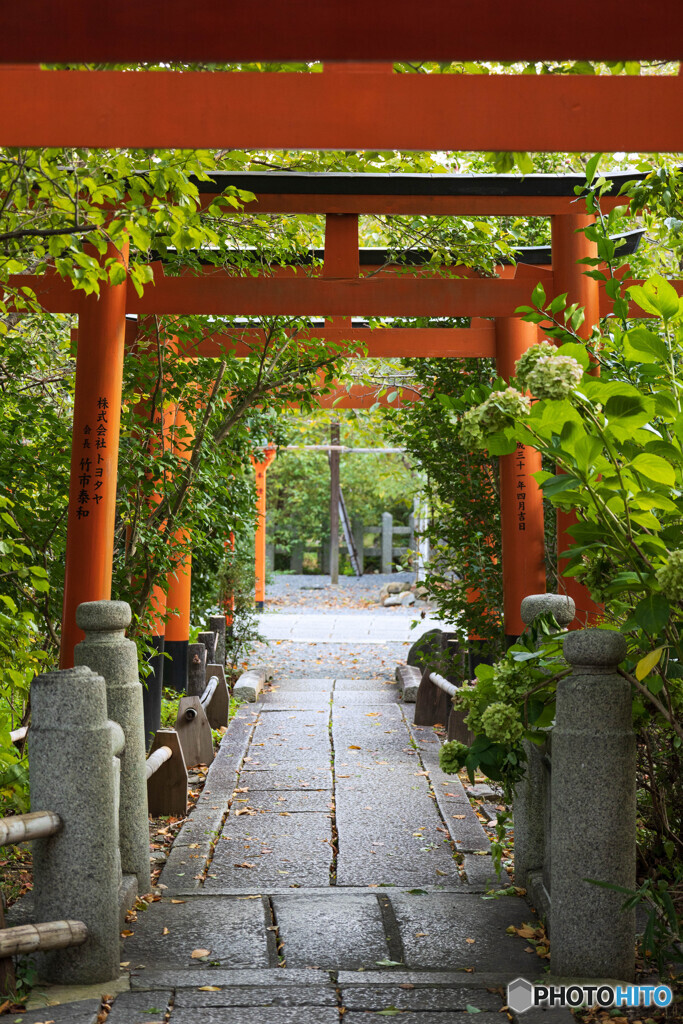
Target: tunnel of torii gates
{"x": 351, "y": 282}
{"x": 356, "y": 104}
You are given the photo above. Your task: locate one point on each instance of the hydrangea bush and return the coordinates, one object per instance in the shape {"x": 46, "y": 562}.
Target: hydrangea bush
{"x": 616, "y": 442}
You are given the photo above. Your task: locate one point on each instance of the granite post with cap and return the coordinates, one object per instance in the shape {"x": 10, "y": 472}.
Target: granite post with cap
{"x": 107, "y": 651}
{"x": 593, "y": 793}
{"x": 76, "y": 871}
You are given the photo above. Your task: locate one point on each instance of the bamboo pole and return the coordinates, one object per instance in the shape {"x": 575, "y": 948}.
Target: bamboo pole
{"x": 160, "y": 756}
{"x": 24, "y": 827}
{"x": 27, "y": 938}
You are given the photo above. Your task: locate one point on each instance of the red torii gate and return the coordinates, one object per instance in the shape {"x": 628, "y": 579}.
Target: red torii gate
{"x": 367, "y": 108}
{"x": 218, "y": 291}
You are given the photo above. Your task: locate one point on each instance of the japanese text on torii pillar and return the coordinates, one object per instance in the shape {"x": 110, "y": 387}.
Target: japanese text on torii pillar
{"x": 91, "y": 477}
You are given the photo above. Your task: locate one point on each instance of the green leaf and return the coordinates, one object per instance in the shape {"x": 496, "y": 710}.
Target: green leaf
{"x": 591, "y": 167}
{"x": 643, "y": 346}
{"x": 538, "y": 295}
{"x": 652, "y": 613}
{"x": 626, "y": 407}
{"x": 586, "y": 450}
{"x": 576, "y": 351}
{"x": 654, "y": 468}
{"x": 558, "y": 483}
{"x": 472, "y": 1009}
{"x": 657, "y": 296}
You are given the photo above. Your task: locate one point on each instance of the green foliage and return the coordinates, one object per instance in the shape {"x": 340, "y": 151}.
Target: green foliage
{"x": 299, "y": 480}
{"x": 615, "y": 442}
{"x": 463, "y": 576}
{"x": 510, "y": 701}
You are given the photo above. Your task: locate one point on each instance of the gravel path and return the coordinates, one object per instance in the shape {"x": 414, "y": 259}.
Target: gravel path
{"x": 353, "y": 596}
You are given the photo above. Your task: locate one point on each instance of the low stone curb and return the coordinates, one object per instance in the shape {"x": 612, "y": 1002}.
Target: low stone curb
{"x": 408, "y": 678}
{"x": 249, "y": 685}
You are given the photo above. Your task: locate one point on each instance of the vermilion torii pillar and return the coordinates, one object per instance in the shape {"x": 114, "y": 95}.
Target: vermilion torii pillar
{"x": 179, "y": 581}
{"x": 260, "y": 468}
{"x": 94, "y": 454}
{"x": 521, "y": 499}
{"x": 569, "y": 246}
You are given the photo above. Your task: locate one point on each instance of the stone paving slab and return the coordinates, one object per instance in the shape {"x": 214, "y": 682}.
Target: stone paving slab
{"x": 352, "y": 627}
{"x": 434, "y": 930}
{"x": 347, "y": 685}
{"x": 84, "y": 1012}
{"x": 481, "y": 874}
{"x": 310, "y": 994}
{"x": 390, "y": 831}
{"x": 432, "y": 979}
{"x": 279, "y": 700}
{"x": 291, "y": 684}
{"x": 296, "y": 849}
{"x": 287, "y": 777}
{"x": 183, "y": 871}
{"x": 256, "y": 1015}
{"x": 346, "y": 932}
{"x": 291, "y": 801}
{"x": 202, "y": 826}
{"x": 266, "y": 979}
{"x": 418, "y": 997}
{"x": 426, "y": 1017}
{"x": 350, "y": 698}
{"x": 140, "y": 1007}
{"x": 233, "y": 930}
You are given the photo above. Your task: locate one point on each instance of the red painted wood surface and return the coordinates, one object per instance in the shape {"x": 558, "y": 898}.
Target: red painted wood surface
{"x": 435, "y": 206}
{"x": 312, "y": 30}
{"x": 390, "y": 342}
{"x": 521, "y": 499}
{"x": 570, "y": 245}
{"x": 94, "y": 458}
{"x": 247, "y": 110}
{"x": 384, "y": 295}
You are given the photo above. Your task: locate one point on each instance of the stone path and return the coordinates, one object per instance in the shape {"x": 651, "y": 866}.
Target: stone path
{"x": 317, "y": 875}
{"x": 401, "y": 625}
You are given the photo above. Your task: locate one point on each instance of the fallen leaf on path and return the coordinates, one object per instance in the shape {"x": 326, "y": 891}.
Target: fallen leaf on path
{"x": 197, "y": 954}
{"x": 470, "y": 940}
{"x": 245, "y": 864}
{"x": 209, "y": 988}
{"x": 460, "y": 817}
{"x": 177, "y": 901}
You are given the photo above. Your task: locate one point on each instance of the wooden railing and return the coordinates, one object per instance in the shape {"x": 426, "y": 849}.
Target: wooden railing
{"x": 29, "y": 938}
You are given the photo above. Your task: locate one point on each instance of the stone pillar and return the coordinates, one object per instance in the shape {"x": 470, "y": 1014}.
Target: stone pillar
{"x": 270, "y": 557}
{"x": 296, "y": 558}
{"x": 593, "y": 792}
{"x": 209, "y": 639}
{"x": 71, "y": 773}
{"x": 358, "y": 528}
{"x": 196, "y": 670}
{"x": 107, "y": 652}
{"x": 387, "y": 542}
{"x": 532, "y": 794}
{"x": 218, "y": 625}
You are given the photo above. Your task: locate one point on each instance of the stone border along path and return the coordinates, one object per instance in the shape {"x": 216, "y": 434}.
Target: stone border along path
{"x": 317, "y": 876}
